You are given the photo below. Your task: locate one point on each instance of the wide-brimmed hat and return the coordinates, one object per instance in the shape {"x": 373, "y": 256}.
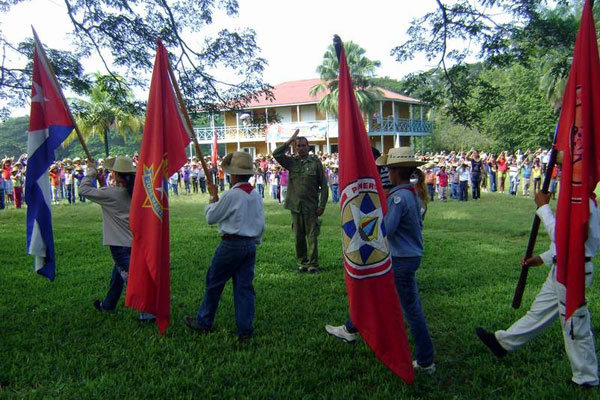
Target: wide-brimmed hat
{"x": 121, "y": 164}
{"x": 77, "y": 160}
{"x": 238, "y": 163}
{"x": 399, "y": 157}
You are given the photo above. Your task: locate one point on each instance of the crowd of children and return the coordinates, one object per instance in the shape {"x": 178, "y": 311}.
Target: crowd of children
{"x": 448, "y": 175}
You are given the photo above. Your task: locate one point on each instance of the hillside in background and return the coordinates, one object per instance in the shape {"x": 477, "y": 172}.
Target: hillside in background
{"x": 13, "y": 142}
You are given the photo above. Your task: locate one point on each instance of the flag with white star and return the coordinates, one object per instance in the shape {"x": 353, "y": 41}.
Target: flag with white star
{"x": 374, "y": 303}
{"x": 50, "y": 123}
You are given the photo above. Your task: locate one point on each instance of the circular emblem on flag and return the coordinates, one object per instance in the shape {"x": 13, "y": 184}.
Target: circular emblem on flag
{"x": 366, "y": 251}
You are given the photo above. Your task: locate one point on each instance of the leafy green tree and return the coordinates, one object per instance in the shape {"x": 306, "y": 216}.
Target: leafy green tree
{"x": 123, "y": 33}
{"x": 500, "y": 33}
{"x": 362, "y": 71}
{"x": 106, "y": 112}
{"x": 524, "y": 119}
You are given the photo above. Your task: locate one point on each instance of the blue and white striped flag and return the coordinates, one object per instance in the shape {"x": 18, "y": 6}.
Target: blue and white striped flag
{"x": 50, "y": 123}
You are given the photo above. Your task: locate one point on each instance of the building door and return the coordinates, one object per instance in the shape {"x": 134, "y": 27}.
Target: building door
{"x": 251, "y": 150}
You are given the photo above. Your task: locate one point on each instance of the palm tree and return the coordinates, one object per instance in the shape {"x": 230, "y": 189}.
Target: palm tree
{"x": 362, "y": 71}
{"x": 105, "y": 112}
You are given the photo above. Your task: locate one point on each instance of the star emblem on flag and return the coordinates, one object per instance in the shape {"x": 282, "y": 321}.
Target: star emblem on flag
{"x": 365, "y": 229}
{"x": 155, "y": 188}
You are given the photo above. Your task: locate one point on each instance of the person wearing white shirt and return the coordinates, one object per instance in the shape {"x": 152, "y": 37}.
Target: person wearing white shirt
{"x": 464, "y": 174}
{"x": 241, "y": 223}
{"x": 549, "y": 305}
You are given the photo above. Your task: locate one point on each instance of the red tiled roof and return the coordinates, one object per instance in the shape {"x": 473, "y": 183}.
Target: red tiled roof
{"x": 297, "y": 92}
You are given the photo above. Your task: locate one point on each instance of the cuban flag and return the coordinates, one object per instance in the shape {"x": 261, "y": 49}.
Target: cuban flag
{"x": 50, "y": 123}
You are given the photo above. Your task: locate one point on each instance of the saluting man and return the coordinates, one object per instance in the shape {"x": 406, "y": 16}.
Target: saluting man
{"x": 306, "y": 197}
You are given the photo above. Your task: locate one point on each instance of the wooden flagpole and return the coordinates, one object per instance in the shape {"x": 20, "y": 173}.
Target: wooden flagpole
{"x": 186, "y": 117}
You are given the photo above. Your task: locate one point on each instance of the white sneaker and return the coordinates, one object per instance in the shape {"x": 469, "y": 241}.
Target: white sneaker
{"x": 342, "y": 333}
{"x": 430, "y": 369}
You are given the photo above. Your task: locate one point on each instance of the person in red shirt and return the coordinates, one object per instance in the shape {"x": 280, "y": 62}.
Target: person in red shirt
{"x": 443, "y": 183}
{"x": 502, "y": 168}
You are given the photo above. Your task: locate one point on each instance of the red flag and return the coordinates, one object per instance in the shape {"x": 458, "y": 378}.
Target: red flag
{"x": 163, "y": 152}
{"x": 215, "y": 149}
{"x": 577, "y": 138}
{"x": 374, "y": 303}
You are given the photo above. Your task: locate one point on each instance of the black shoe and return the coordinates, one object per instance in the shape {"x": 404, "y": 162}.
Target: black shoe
{"x": 193, "y": 324}
{"x": 98, "y": 306}
{"x": 583, "y": 385}
{"x": 313, "y": 270}
{"x": 245, "y": 338}
{"x": 302, "y": 269}
{"x": 489, "y": 339}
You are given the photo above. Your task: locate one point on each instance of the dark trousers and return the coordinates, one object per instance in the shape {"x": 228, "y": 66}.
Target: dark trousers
{"x": 203, "y": 185}
{"x": 431, "y": 190}
{"x": 234, "y": 259}
{"x": 306, "y": 227}
{"x": 194, "y": 185}
{"x": 120, "y": 255}
{"x": 475, "y": 182}
{"x": 463, "y": 193}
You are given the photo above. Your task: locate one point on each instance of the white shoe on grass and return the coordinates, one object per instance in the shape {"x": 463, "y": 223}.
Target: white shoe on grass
{"x": 430, "y": 369}
{"x": 342, "y": 333}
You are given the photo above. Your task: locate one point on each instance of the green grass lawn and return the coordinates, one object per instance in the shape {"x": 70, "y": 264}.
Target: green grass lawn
{"x": 54, "y": 344}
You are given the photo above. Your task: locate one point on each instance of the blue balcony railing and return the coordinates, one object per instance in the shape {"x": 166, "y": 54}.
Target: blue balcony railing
{"x": 400, "y": 126}
{"x": 318, "y": 130}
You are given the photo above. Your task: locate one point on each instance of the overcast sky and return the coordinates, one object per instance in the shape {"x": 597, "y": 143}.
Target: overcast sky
{"x": 293, "y": 35}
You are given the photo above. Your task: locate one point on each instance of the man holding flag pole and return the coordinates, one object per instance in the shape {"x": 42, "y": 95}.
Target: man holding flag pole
{"x": 575, "y": 233}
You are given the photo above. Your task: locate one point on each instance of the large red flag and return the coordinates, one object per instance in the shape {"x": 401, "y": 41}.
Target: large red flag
{"x": 577, "y": 138}
{"x": 163, "y": 152}
{"x": 374, "y": 303}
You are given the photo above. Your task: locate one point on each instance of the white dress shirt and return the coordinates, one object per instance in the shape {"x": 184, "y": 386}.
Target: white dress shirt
{"x": 238, "y": 213}
{"x": 592, "y": 245}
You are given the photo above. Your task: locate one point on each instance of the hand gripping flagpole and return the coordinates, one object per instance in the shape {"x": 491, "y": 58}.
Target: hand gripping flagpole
{"x": 516, "y": 303}
{"x": 188, "y": 122}
{"x": 53, "y": 77}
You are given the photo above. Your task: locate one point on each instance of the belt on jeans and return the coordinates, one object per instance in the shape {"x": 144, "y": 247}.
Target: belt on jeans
{"x": 235, "y": 237}
{"x": 587, "y": 259}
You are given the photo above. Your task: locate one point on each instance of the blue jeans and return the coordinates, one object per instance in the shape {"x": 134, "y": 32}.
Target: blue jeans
{"x": 493, "y": 186}
{"x": 261, "y": 189}
{"x": 274, "y": 192}
{"x": 514, "y": 185}
{"x": 335, "y": 193}
{"x": 431, "y": 191}
{"x": 2, "y": 196}
{"x": 234, "y": 259}
{"x": 175, "y": 189}
{"x": 120, "y": 255}
{"x": 406, "y": 285}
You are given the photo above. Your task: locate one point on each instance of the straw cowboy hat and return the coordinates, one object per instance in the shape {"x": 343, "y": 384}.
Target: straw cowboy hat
{"x": 398, "y": 157}
{"x": 121, "y": 164}
{"x": 238, "y": 163}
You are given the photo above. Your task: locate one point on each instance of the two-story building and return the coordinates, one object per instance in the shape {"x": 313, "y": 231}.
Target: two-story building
{"x": 264, "y": 124}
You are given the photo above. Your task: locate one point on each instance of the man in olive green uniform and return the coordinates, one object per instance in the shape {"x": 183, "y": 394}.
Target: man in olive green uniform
{"x": 306, "y": 198}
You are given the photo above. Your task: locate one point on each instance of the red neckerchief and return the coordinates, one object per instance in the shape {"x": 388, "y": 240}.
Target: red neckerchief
{"x": 246, "y": 187}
